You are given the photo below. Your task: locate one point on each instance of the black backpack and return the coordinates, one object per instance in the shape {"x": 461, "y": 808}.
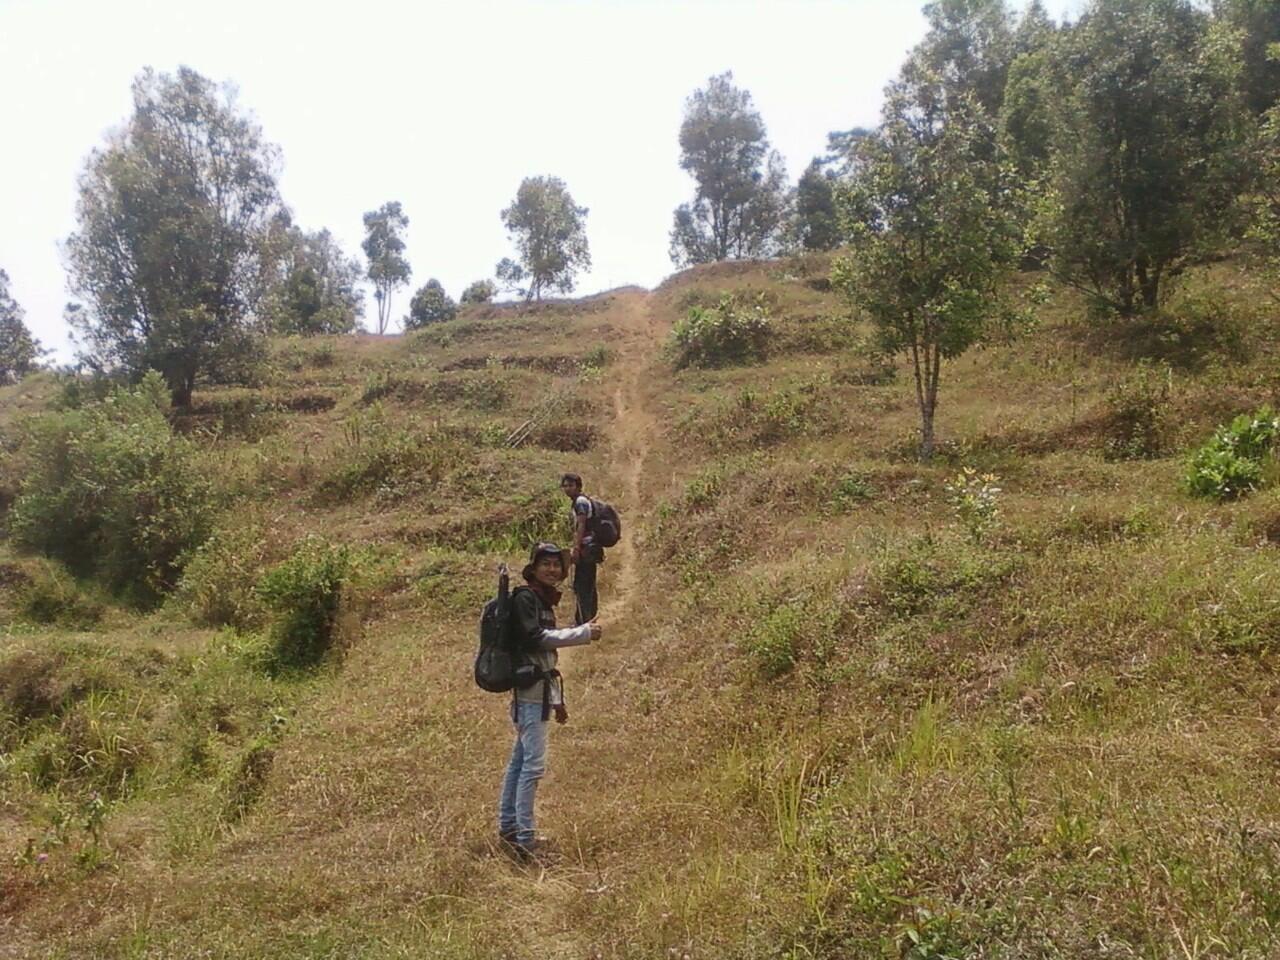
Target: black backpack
{"x": 500, "y": 664}
{"x": 605, "y": 525}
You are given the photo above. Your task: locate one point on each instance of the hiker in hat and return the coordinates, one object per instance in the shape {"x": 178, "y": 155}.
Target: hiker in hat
{"x": 532, "y": 706}
{"x": 586, "y": 554}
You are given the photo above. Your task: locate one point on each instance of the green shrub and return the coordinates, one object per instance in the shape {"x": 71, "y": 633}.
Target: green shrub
{"x": 926, "y": 574}
{"x": 1233, "y": 462}
{"x": 851, "y": 489}
{"x": 772, "y": 641}
{"x": 481, "y": 291}
{"x": 388, "y": 461}
{"x": 975, "y": 498}
{"x": 1138, "y": 413}
{"x": 52, "y": 596}
{"x": 218, "y": 584}
{"x": 734, "y": 331}
{"x": 113, "y": 493}
{"x": 304, "y": 592}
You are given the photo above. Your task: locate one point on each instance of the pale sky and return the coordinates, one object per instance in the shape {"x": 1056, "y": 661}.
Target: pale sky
{"x": 443, "y": 106}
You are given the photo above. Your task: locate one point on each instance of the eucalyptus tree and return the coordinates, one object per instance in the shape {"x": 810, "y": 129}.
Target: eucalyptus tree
{"x": 384, "y": 247}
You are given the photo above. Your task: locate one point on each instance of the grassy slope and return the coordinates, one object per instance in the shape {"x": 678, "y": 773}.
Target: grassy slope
{"x": 821, "y": 723}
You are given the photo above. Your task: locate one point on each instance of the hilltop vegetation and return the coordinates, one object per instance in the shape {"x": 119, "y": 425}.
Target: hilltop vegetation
{"x": 900, "y": 728}
{"x": 897, "y": 662}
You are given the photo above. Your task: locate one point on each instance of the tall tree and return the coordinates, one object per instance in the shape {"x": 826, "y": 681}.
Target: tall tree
{"x": 550, "y": 234}
{"x": 311, "y": 287}
{"x": 384, "y": 246}
{"x": 19, "y": 352}
{"x": 1148, "y": 149}
{"x": 934, "y": 232}
{"x": 740, "y": 195}
{"x": 170, "y": 217}
{"x": 968, "y": 49}
{"x": 1258, "y": 26}
{"x": 1033, "y": 88}
{"x": 816, "y": 226}
{"x": 1264, "y": 199}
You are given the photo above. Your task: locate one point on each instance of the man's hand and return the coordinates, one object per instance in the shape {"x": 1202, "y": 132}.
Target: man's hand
{"x": 596, "y": 630}
{"x": 574, "y": 554}
{"x": 562, "y": 713}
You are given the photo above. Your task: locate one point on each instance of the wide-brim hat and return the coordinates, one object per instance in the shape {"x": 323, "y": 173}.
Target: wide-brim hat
{"x": 545, "y": 549}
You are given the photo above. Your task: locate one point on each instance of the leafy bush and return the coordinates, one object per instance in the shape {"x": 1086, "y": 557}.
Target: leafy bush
{"x": 772, "y": 640}
{"x": 1138, "y": 408}
{"x": 1233, "y": 461}
{"x": 379, "y": 459}
{"x": 305, "y": 592}
{"x": 52, "y": 596}
{"x": 976, "y": 501}
{"x": 218, "y": 584}
{"x": 430, "y": 305}
{"x": 851, "y": 489}
{"x": 113, "y": 493}
{"x": 734, "y": 331}
{"x": 482, "y": 291}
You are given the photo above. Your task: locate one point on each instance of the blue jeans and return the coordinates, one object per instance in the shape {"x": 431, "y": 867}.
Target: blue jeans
{"x": 527, "y": 765}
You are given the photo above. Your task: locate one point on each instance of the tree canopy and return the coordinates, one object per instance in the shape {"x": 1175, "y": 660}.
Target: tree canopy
{"x": 550, "y": 234}
{"x": 19, "y": 351}
{"x": 311, "y": 285}
{"x": 384, "y": 246}
{"x": 170, "y": 220}
{"x": 740, "y": 194}
{"x": 430, "y": 305}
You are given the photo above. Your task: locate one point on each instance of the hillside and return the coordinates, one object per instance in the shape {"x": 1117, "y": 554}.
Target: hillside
{"x": 823, "y": 720}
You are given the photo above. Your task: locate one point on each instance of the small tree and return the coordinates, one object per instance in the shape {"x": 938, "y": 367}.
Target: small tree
{"x": 482, "y": 291}
{"x": 384, "y": 246}
{"x": 740, "y": 198}
{"x": 549, "y": 231}
{"x": 430, "y": 305}
{"x": 171, "y": 216}
{"x": 1146, "y": 157}
{"x": 310, "y": 284}
{"x": 19, "y": 352}
{"x": 933, "y": 233}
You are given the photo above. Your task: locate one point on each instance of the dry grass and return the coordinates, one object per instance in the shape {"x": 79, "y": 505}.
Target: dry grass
{"x": 823, "y": 722}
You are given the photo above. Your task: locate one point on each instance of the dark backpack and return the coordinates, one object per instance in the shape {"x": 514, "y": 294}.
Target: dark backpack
{"x": 605, "y": 525}
{"x": 500, "y": 663}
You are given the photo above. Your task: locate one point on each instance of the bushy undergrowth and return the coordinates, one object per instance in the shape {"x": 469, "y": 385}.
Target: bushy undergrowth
{"x": 382, "y": 459}
{"x": 218, "y": 583}
{"x": 1236, "y": 459}
{"x": 1138, "y": 414}
{"x": 734, "y": 331}
{"x": 764, "y": 417}
{"x": 52, "y": 596}
{"x": 304, "y": 592}
{"x": 113, "y": 493}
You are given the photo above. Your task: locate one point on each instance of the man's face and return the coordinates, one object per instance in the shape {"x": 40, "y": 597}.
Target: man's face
{"x": 571, "y": 489}
{"x": 548, "y": 571}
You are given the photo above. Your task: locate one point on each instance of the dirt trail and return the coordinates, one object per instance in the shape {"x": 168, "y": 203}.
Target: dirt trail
{"x": 600, "y": 759}
{"x": 634, "y": 427}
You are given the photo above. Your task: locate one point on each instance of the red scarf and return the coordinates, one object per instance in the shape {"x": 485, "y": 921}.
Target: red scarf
{"x": 549, "y": 595}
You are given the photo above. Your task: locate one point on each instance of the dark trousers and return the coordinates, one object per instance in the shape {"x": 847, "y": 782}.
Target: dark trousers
{"x": 584, "y": 587}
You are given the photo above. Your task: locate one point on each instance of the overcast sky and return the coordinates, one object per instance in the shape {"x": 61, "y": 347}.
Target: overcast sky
{"x": 443, "y": 106}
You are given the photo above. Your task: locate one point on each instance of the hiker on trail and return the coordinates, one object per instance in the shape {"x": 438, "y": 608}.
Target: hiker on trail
{"x": 586, "y": 554}
{"x": 533, "y": 610}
